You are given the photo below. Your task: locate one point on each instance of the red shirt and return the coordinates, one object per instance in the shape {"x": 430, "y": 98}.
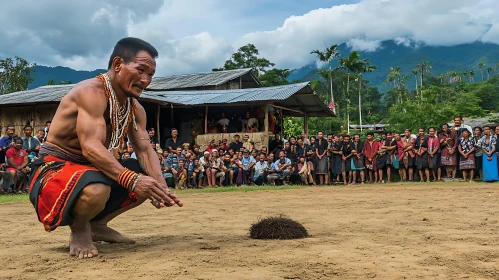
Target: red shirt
{"x": 17, "y": 158}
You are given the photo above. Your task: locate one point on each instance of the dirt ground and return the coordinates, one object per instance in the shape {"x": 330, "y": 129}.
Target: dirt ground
{"x": 441, "y": 231}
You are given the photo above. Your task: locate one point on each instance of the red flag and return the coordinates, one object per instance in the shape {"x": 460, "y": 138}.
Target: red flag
{"x": 331, "y": 106}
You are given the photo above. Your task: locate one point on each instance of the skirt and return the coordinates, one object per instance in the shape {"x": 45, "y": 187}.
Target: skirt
{"x": 408, "y": 161}
{"x": 357, "y": 163}
{"x": 467, "y": 163}
{"x": 337, "y": 163}
{"x": 490, "y": 173}
{"x": 55, "y": 187}
{"x": 322, "y": 166}
{"x": 422, "y": 162}
{"x": 382, "y": 161}
{"x": 478, "y": 162}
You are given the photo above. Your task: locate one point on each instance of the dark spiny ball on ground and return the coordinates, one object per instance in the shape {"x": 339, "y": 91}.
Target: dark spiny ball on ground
{"x": 277, "y": 227}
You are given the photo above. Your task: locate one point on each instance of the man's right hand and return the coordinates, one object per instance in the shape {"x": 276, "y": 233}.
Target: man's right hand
{"x": 148, "y": 187}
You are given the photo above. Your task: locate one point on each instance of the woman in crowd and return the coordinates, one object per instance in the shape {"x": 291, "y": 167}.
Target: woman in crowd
{"x": 433, "y": 154}
{"x": 448, "y": 153}
{"x": 466, "y": 149}
{"x": 477, "y": 135}
{"x": 421, "y": 147}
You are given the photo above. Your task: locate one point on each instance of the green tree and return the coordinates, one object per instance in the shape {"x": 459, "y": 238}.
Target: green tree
{"x": 489, "y": 70}
{"x": 424, "y": 68}
{"x": 471, "y": 74}
{"x": 480, "y": 65}
{"x": 351, "y": 64}
{"x": 275, "y": 77}
{"x": 247, "y": 57}
{"x": 51, "y": 82}
{"x": 328, "y": 55}
{"x": 15, "y": 74}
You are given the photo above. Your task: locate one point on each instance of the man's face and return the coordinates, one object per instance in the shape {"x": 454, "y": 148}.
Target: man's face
{"x": 421, "y": 132}
{"x": 397, "y": 136}
{"x": 389, "y": 136}
{"x": 369, "y": 137}
{"x": 236, "y": 138}
{"x": 41, "y": 134}
{"x": 246, "y": 138}
{"x": 174, "y": 133}
{"x": 282, "y": 155}
{"x": 165, "y": 153}
{"x": 18, "y": 145}
{"x": 300, "y": 142}
{"x": 277, "y": 136}
{"x": 293, "y": 141}
{"x": 28, "y": 131}
{"x": 48, "y": 125}
{"x": 346, "y": 139}
{"x": 457, "y": 122}
{"x": 356, "y": 138}
{"x": 262, "y": 158}
{"x": 330, "y": 138}
{"x": 497, "y": 130}
{"x": 486, "y": 130}
{"x": 320, "y": 134}
{"x": 445, "y": 128}
{"x": 477, "y": 131}
{"x": 196, "y": 162}
{"x": 286, "y": 146}
{"x": 11, "y": 131}
{"x": 431, "y": 132}
{"x": 227, "y": 157}
{"x": 126, "y": 155}
{"x": 179, "y": 151}
{"x": 151, "y": 134}
{"x": 407, "y": 133}
{"x": 214, "y": 154}
{"x": 136, "y": 75}
{"x": 271, "y": 157}
{"x": 336, "y": 139}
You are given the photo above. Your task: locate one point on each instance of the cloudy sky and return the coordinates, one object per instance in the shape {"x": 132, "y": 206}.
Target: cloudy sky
{"x": 198, "y": 35}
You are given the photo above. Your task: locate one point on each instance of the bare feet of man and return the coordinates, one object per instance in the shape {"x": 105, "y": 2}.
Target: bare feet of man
{"x": 101, "y": 232}
{"x": 80, "y": 242}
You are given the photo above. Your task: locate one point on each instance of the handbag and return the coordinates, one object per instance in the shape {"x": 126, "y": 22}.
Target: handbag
{"x": 395, "y": 161}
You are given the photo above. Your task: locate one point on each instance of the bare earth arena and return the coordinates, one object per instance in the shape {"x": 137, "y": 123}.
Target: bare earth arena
{"x": 394, "y": 231}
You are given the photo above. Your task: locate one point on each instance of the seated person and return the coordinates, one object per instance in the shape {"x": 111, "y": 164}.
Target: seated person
{"x": 216, "y": 169}
{"x": 195, "y": 174}
{"x": 247, "y": 162}
{"x": 304, "y": 171}
{"x": 261, "y": 167}
{"x": 224, "y": 121}
{"x": 181, "y": 175}
{"x": 185, "y": 148}
{"x": 282, "y": 170}
{"x": 247, "y": 143}
{"x": 212, "y": 146}
{"x": 228, "y": 168}
{"x": 171, "y": 167}
{"x": 17, "y": 165}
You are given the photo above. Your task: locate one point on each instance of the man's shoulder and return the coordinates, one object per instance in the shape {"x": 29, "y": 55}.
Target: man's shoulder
{"x": 87, "y": 92}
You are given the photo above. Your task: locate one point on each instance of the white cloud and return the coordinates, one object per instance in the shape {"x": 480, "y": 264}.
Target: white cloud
{"x": 364, "y": 45}
{"x": 366, "y": 24}
{"x": 198, "y": 35}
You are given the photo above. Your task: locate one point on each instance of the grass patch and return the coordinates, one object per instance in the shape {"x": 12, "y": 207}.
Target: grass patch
{"x": 10, "y": 198}
{"x": 240, "y": 189}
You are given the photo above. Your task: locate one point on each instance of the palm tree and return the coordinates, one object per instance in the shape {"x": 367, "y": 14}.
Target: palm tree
{"x": 423, "y": 68}
{"x": 480, "y": 66}
{"x": 327, "y": 56}
{"x": 471, "y": 74}
{"x": 415, "y": 73}
{"x": 351, "y": 64}
{"x": 365, "y": 68}
{"x": 490, "y": 69}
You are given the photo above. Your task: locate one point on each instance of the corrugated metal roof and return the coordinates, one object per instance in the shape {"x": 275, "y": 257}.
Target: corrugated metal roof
{"x": 225, "y": 96}
{"x": 196, "y": 80}
{"x": 41, "y": 94}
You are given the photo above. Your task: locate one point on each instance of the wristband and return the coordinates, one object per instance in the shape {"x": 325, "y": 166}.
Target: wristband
{"x": 135, "y": 183}
{"x": 126, "y": 178}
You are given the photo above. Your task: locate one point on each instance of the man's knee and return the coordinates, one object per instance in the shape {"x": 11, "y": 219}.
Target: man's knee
{"x": 95, "y": 194}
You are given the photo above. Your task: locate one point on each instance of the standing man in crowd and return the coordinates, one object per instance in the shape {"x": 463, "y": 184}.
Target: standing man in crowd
{"x": 174, "y": 142}
{"x": 236, "y": 145}
{"x": 321, "y": 152}
{"x": 30, "y": 144}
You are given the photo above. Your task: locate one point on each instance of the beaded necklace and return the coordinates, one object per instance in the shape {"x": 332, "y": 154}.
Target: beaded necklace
{"x": 120, "y": 116}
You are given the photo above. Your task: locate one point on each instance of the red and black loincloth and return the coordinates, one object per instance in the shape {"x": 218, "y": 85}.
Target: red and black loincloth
{"x": 55, "y": 185}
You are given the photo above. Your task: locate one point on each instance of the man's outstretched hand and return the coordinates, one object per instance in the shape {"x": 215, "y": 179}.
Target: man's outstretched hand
{"x": 161, "y": 196}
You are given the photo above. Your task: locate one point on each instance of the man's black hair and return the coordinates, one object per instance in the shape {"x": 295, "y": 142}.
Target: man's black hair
{"x": 370, "y": 133}
{"x": 26, "y": 126}
{"x": 127, "y": 49}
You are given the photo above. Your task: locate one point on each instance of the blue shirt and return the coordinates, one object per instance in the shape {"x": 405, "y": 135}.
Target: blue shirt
{"x": 247, "y": 161}
{"x": 5, "y": 141}
{"x": 275, "y": 166}
{"x": 172, "y": 161}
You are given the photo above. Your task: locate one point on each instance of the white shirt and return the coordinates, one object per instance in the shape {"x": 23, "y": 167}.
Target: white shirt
{"x": 252, "y": 122}
{"x": 224, "y": 122}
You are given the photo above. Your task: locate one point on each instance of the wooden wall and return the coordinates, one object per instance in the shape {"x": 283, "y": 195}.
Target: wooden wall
{"x": 203, "y": 140}
{"x": 19, "y": 116}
